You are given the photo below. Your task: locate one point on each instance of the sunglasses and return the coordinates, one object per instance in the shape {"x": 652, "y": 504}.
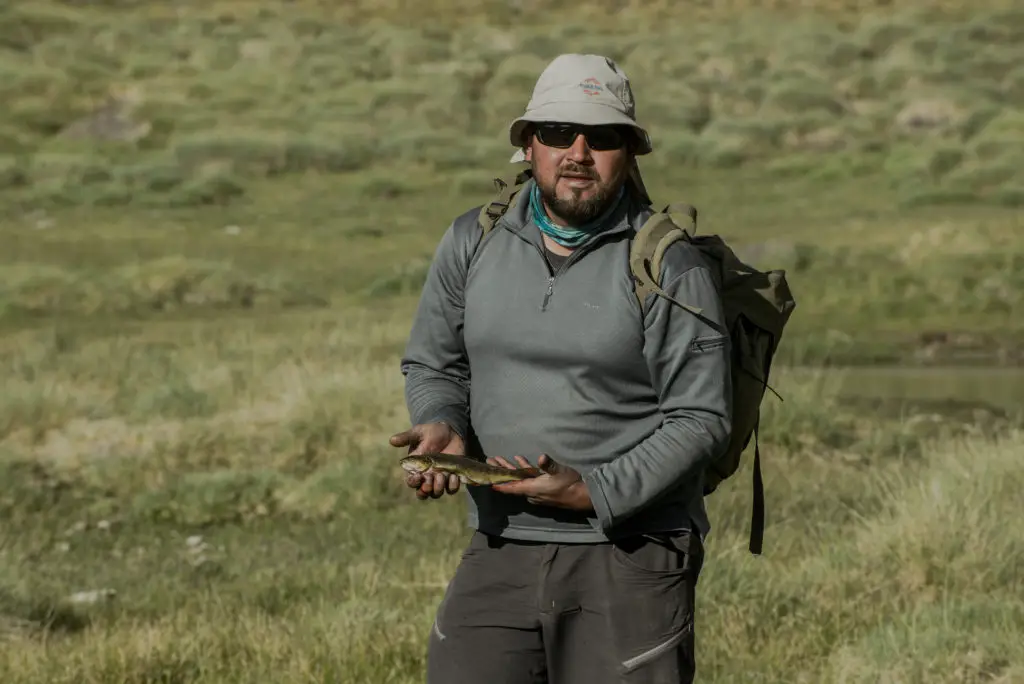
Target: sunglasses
{"x": 599, "y": 138}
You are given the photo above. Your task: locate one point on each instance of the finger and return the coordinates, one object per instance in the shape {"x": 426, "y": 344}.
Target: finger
{"x": 523, "y": 463}
{"x": 503, "y": 463}
{"x": 426, "y": 487}
{"x": 414, "y": 480}
{"x": 492, "y": 461}
{"x": 453, "y": 484}
{"x": 437, "y": 489}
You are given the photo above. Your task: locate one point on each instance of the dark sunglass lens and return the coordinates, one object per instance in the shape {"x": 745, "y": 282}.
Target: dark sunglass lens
{"x": 600, "y": 138}
{"x": 556, "y": 136}
{"x": 604, "y": 139}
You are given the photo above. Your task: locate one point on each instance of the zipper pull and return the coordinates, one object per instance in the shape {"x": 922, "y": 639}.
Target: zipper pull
{"x": 547, "y": 295}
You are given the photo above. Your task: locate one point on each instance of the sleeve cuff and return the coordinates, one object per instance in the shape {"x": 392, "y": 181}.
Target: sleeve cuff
{"x": 599, "y": 501}
{"x": 454, "y": 418}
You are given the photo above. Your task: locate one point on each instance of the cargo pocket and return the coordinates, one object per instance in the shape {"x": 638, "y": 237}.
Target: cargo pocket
{"x": 652, "y": 607}
{"x": 477, "y": 542}
{"x": 436, "y": 632}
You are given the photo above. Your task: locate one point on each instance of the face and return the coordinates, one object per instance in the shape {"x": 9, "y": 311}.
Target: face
{"x": 578, "y": 181}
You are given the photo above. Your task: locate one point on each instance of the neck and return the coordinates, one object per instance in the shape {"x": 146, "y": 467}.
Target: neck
{"x": 562, "y": 234}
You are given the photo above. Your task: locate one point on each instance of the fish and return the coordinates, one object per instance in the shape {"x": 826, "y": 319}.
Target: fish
{"x": 469, "y": 470}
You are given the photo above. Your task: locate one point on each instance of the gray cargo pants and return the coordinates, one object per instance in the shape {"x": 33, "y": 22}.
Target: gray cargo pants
{"x": 537, "y": 613}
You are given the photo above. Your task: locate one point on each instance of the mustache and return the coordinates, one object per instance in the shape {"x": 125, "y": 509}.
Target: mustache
{"x": 578, "y": 171}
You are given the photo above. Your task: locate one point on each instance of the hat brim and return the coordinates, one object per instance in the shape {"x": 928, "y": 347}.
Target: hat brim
{"x": 595, "y": 114}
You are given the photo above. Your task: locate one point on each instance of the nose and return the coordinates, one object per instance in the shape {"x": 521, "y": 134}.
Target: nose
{"x": 579, "y": 151}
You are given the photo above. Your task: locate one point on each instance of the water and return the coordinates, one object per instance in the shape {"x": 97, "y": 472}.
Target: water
{"x": 1000, "y": 388}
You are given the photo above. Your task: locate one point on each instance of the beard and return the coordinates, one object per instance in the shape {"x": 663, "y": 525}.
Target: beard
{"x": 575, "y": 209}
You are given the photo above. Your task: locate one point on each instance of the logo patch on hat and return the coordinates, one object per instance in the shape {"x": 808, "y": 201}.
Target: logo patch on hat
{"x": 591, "y": 86}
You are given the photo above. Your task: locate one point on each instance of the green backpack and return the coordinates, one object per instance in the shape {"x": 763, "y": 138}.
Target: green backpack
{"x": 757, "y": 307}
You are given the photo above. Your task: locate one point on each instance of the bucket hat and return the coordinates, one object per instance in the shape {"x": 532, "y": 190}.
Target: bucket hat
{"x": 584, "y": 89}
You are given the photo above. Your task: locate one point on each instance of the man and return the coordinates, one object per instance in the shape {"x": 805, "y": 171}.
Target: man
{"x": 531, "y": 348}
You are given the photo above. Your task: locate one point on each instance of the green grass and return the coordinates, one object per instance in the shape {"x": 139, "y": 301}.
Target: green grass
{"x": 283, "y": 143}
{"x": 873, "y": 281}
{"x": 268, "y": 441}
{"x": 929, "y": 101}
{"x": 201, "y": 327}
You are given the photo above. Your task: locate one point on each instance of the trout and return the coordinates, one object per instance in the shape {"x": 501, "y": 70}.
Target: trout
{"x": 469, "y": 470}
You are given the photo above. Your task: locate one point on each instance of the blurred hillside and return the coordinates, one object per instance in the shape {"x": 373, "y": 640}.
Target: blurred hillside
{"x": 133, "y": 102}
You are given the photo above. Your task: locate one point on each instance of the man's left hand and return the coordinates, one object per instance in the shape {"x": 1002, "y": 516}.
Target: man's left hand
{"x": 559, "y": 485}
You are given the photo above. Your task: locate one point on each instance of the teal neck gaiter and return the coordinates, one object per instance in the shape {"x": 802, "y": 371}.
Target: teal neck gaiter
{"x": 569, "y": 236}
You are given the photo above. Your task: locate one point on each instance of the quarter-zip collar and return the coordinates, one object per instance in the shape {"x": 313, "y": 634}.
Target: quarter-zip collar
{"x": 628, "y": 216}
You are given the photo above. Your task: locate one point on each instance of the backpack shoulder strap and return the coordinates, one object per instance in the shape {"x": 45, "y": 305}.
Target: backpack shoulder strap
{"x": 647, "y": 251}
{"x": 507, "y": 187}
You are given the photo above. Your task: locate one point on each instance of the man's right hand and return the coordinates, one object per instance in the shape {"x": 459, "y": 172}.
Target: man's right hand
{"x": 431, "y": 438}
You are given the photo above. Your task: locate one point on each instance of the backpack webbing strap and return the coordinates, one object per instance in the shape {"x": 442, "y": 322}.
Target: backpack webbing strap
{"x": 757, "y": 509}
{"x": 507, "y": 188}
{"x": 757, "y": 504}
{"x": 688, "y": 209}
{"x": 645, "y": 260}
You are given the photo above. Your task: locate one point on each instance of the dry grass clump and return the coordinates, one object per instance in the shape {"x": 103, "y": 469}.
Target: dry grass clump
{"x": 216, "y": 501}
{"x": 158, "y": 285}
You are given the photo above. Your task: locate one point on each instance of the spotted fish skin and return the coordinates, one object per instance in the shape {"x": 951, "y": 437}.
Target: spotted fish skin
{"x": 469, "y": 470}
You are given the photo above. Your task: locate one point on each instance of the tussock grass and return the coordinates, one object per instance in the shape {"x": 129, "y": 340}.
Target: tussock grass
{"x": 261, "y": 94}
{"x": 871, "y": 277}
{"x": 927, "y": 555}
{"x": 216, "y": 218}
{"x": 163, "y": 284}
{"x": 232, "y": 484}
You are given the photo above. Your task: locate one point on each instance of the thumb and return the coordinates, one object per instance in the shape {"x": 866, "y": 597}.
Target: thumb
{"x": 548, "y": 465}
{"x": 404, "y": 438}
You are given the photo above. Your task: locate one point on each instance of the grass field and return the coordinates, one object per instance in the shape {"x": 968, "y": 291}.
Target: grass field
{"x": 204, "y": 294}
{"x": 892, "y": 552}
{"x": 181, "y": 152}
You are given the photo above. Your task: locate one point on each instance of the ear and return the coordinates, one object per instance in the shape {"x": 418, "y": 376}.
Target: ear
{"x": 528, "y": 139}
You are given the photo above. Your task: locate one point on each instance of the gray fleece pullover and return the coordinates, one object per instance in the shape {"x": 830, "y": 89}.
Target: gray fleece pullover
{"x": 523, "y": 361}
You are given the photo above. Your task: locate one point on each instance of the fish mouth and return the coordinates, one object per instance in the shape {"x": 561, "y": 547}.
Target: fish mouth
{"x": 413, "y": 465}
